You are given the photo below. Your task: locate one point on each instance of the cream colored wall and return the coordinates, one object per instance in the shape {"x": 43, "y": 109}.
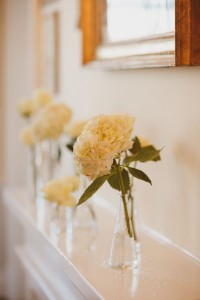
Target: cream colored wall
{"x": 2, "y": 31}
{"x": 166, "y": 105}
{"x": 18, "y": 84}
{"x": 164, "y": 102}
{"x": 2, "y": 38}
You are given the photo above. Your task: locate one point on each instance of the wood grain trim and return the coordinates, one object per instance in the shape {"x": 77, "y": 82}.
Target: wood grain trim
{"x": 89, "y": 29}
{"x": 195, "y": 32}
{"x": 187, "y": 13}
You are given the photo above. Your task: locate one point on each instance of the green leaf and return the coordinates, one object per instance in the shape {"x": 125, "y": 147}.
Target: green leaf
{"x": 148, "y": 153}
{"x": 129, "y": 159}
{"x": 59, "y": 154}
{"x": 113, "y": 180}
{"x": 136, "y": 146}
{"x": 70, "y": 147}
{"x": 153, "y": 153}
{"x": 139, "y": 174}
{"x": 92, "y": 188}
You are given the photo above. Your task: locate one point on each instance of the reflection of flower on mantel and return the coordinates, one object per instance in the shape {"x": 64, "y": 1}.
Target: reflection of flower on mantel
{"x": 60, "y": 190}
{"x": 105, "y": 151}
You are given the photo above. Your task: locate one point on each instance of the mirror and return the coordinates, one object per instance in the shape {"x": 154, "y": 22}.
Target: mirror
{"x": 133, "y": 19}
{"x": 140, "y": 33}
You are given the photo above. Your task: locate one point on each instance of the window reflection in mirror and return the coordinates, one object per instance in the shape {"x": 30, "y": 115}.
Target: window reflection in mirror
{"x": 132, "y": 19}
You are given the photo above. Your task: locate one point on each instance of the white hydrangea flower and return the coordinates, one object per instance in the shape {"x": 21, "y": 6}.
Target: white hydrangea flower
{"x": 101, "y": 139}
{"x": 41, "y": 97}
{"x": 50, "y": 121}
{"x": 75, "y": 128}
{"x": 59, "y": 190}
{"x": 27, "y": 137}
{"x": 26, "y": 107}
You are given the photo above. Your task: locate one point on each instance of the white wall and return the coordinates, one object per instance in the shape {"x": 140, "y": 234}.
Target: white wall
{"x": 17, "y": 85}
{"x": 2, "y": 31}
{"x": 2, "y": 39}
{"x": 166, "y": 105}
{"x": 164, "y": 102}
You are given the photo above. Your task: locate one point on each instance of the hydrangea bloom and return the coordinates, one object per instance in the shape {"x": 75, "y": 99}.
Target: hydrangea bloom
{"x": 26, "y": 136}
{"x": 49, "y": 123}
{"x": 59, "y": 190}
{"x": 101, "y": 140}
{"x": 26, "y": 107}
{"x": 75, "y": 128}
{"x": 41, "y": 98}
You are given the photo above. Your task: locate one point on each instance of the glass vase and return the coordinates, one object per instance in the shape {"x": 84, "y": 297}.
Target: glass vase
{"x": 32, "y": 174}
{"x": 47, "y": 160}
{"x": 134, "y": 218}
{"x": 32, "y": 181}
{"x": 61, "y": 223}
{"x": 123, "y": 253}
{"x": 43, "y": 165}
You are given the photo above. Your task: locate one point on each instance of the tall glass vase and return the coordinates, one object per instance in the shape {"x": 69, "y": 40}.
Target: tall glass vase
{"x": 32, "y": 181}
{"x": 43, "y": 164}
{"x": 47, "y": 160}
{"x": 32, "y": 174}
{"x": 123, "y": 253}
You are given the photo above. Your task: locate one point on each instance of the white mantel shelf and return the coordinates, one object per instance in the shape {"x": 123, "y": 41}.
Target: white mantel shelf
{"x": 80, "y": 271}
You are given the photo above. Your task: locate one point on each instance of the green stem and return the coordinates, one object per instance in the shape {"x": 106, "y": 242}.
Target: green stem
{"x": 132, "y": 208}
{"x": 133, "y": 217}
{"x": 121, "y": 183}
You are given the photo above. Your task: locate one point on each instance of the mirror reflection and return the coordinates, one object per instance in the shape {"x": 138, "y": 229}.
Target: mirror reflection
{"x": 132, "y": 19}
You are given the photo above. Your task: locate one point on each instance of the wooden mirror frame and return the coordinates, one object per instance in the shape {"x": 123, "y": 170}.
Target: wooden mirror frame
{"x": 181, "y": 48}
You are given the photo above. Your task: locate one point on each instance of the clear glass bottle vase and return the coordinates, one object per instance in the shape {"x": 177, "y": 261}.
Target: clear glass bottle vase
{"x": 32, "y": 174}
{"x": 43, "y": 164}
{"x": 123, "y": 253}
{"x": 134, "y": 218}
{"x": 47, "y": 160}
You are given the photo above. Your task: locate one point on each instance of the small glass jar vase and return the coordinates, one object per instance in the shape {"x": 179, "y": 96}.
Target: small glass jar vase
{"x": 60, "y": 223}
{"x": 123, "y": 252}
